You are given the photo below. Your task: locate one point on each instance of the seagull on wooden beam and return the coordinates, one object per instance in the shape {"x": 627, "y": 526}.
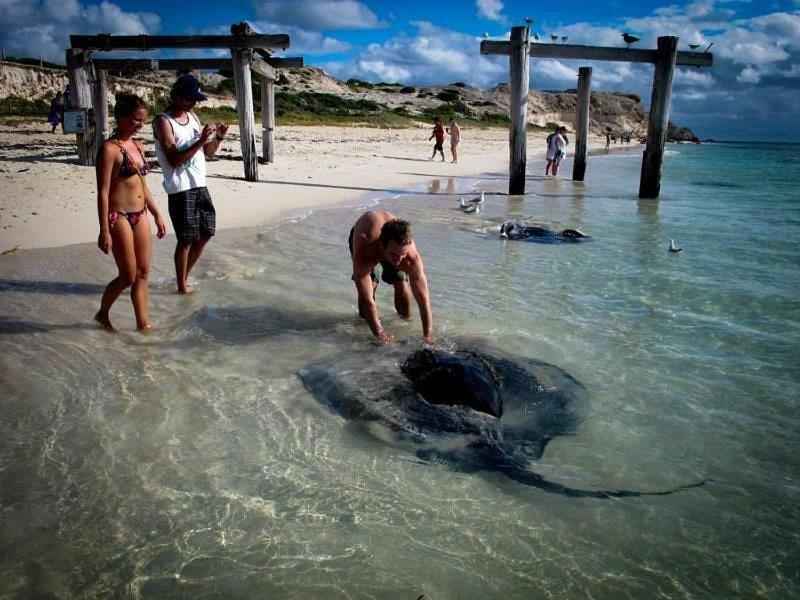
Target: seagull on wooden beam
{"x": 693, "y": 47}
{"x": 485, "y": 35}
{"x": 536, "y": 38}
{"x": 629, "y": 39}
{"x": 528, "y": 21}
{"x": 554, "y": 37}
{"x": 564, "y": 39}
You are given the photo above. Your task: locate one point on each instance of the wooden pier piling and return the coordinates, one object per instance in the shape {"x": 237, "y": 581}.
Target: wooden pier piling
{"x": 518, "y": 60}
{"x": 582, "y": 122}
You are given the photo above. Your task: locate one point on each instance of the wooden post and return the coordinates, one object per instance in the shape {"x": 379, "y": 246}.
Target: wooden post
{"x": 582, "y": 122}
{"x": 518, "y": 108}
{"x": 100, "y": 101}
{"x": 650, "y": 181}
{"x": 268, "y": 119}
{"x": 81, "y": 97}
{"x": 244, "y": 107}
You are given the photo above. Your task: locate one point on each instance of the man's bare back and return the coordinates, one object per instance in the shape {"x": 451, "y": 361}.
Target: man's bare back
{"x": 401, "y": 267}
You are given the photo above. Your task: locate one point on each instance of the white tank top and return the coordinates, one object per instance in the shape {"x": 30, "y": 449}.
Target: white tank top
{"x": 191, "y": 173}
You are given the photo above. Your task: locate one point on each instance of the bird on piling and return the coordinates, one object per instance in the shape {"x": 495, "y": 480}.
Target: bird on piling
{"x": 528, "y": 21}
{"x": 485, "y": 35}
{"x": 709, "y": 46}
{"x": 693, "y": 46}
{"x": 564, "y": 39}
{"x": 629, "y": 39}
{"x": 672, "y": 247}
{"x": 536, "y": 38}
{"x": 554, "y": 37}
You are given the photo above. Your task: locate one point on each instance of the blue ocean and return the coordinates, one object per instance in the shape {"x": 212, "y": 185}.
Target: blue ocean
{"x": 193, "y": 462}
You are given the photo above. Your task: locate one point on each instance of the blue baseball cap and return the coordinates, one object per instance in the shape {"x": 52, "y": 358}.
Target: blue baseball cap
{"x": 187, "y": 86}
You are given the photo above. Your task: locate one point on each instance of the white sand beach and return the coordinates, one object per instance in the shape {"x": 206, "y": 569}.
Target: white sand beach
{"x": 49, "y": 200}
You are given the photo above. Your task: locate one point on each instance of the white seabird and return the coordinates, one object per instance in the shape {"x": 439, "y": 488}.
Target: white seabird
{"x": 672, "y": 247}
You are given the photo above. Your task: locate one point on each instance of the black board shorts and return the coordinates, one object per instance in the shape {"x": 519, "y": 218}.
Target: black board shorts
{"x": 193, "y": 215}
{"x": 383, "y": 270}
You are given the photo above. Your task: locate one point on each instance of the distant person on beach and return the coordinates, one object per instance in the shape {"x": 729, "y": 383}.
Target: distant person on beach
{"x": 56, "y": 114}
{"x": 182, "y": 146}
{"x": 455, "y": 136}
{"x": 608, "y": 139}
{"x": 123, "y": 200}
{"x": 556, "y": 150}
{"x": 382, "y": 248}
{"x": 438, "y": 133}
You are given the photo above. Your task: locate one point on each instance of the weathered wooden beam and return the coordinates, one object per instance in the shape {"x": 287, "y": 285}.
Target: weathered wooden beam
{"x": 163, "y": 64}
{"x": 180, "y": 64}
{"x": 650, "y": 181}
{"x": 294, "y": 62}
{"x": 244, "y": 108}
{"x": 262, "y": 68}
{"x": 106, "y": 42}
{"x": 80, "y": 97}
{"x": 582, "y": 122}
{"x": 100, "y": 101}
{"x": 518, "y": 108}
{"x": 268, "y": 119}
{"x": 574, "y": 51}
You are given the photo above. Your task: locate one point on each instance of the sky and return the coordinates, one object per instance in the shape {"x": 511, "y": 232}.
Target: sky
{"x": 751, "y": 92}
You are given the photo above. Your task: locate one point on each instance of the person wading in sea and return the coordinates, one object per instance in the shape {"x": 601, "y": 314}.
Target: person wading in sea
{"x": 381, "y": 247}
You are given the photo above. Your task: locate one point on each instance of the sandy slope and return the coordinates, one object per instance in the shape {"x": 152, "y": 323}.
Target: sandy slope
{"x": 48, "y": 200}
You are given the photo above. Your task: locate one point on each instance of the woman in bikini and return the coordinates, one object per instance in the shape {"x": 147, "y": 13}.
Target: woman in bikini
{"x": 123, "y": 200}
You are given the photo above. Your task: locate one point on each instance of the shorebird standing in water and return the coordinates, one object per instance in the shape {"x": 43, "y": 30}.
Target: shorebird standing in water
{"x": 476, "y": 201}
{"x": 629, "y": 39}
{"x": 672, "y": 247}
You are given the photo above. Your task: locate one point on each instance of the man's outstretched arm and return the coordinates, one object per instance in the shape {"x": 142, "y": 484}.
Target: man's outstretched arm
{"x": 419, "y": 287}
{"x": 367, "y": 307}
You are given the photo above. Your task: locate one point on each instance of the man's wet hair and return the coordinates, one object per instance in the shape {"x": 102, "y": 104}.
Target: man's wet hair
{"x": 397, "y": 231}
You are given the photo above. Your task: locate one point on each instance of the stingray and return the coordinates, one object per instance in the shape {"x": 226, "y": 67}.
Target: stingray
{"x": 473, "y": 409}
{"x": 516, "y": 230}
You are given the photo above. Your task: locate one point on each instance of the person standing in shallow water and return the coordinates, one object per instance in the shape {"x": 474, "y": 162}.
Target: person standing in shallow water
{"x": 381, "y": 248}
{"x": 123, "y": 200}
{"x": 182, "y": 147}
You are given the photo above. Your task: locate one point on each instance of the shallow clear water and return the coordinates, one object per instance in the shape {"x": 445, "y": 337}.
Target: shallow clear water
{"x": 192, "y": 462}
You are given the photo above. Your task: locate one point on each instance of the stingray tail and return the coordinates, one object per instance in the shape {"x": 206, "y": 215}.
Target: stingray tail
{"x": 491, "y": 458}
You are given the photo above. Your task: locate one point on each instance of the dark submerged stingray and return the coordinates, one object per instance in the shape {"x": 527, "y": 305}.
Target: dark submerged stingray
{"x": 433, "y": 411}
{"x": 516, "y": 230}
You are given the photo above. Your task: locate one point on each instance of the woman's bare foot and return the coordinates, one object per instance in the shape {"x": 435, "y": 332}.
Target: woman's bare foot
{"x": 104, "y": 321}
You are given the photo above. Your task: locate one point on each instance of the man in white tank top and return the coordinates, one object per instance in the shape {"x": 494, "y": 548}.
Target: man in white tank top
{"x": 182, "y": 146}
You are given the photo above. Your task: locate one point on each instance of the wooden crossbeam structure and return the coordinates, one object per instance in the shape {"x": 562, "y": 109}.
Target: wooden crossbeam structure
{"x": 250, "y": 52}
{"x": 106, "y": 42}
{"x": 605, "y": 53}
{"x": 180, "y": 64}
{"x": 665, "y": 58}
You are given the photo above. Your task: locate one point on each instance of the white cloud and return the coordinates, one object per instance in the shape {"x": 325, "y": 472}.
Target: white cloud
{"x": 319, "y": 15}
{"x": 433, "y": 56}
{"x": 748, "y": 75}
{"x": 41, "y": 28}
{"x": 490, "y": 9}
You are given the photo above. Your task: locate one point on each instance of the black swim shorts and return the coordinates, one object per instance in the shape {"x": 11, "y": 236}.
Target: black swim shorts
{"x": 193, "y": 215}
{"x": 438, "y": 146}
{"x": 383, "y": 270}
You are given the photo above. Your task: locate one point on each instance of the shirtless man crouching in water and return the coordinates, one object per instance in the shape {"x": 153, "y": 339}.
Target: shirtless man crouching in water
{"x": 382, "y": 248}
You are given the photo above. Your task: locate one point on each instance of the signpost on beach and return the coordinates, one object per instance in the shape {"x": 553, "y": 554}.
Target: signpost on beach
{"x": 665, "y": 58}
{"x": 249, "y": 52}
